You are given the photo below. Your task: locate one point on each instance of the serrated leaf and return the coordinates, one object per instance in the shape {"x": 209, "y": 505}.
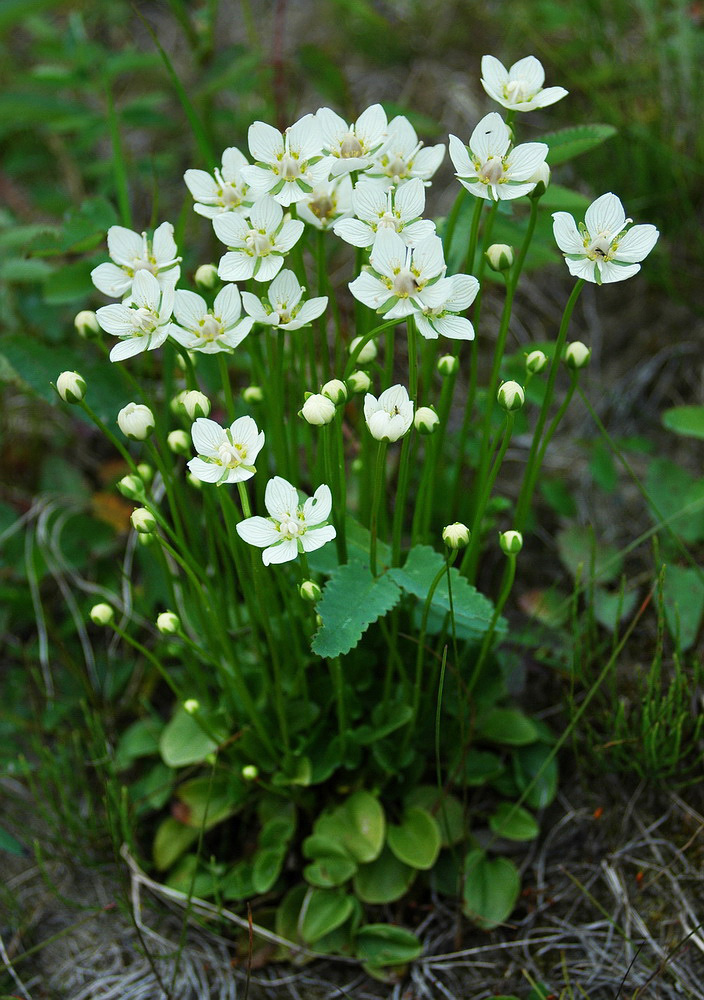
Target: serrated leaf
{"x": 471, "y": 609}
{"x": 490, "y": 889}
{"x": 416, "y": 840}
{"x": 567, "y": 143}
{"x": 513, "y": 822}
{"x": 352, "y": 599}
{"x": 324, "y": 559}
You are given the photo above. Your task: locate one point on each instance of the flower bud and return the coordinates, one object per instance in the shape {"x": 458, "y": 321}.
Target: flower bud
{"x": 145, "y": 540}
{"x": 541, "y": 177}
{"x": 102, "y": 614}
{"x": 196, "y": 404}
{"x": 318, "y": 409}
{"x": 448, "y": 364}
{"x": 143, "y": 521}
{"x": 71, "y": 387}
{"x": 191, "y": 705}
{"x": 131, "y": 487}
{"x": 178, "y": 442}
{"x": 146, "y": 471}
{"x": 359, "y": 382}
{"x": 194, "y": 481}
{"x": 368, "y": 352}
{"x": 168, "y": 623}
{"x": 253, "y": 394}
{"x": 456, "y": 535}
{"x": 500, "y": 256}
{"x": 511, "y": 542}
{"x": 206, "y": 276}
{"x": 86, "y": 323}
{"x": 335, "y": 390}
{"x": 136, "y": 421}
{"x": 250, "y": 772}
{"x": 577, "y": 355}
{"x": 310, "y": 591}
{"x": 426, "y": 420}
{"x": 181, "y": 361}
{"x": 176, "y": 405}
{"x": 510, "y": 396}
{"x": 356, "y": 465}
{"x": 536, "y": 361}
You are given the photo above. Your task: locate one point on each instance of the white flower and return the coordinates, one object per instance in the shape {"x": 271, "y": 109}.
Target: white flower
{"x": 318, "y": 409}
{"x": 488, "y": 169}
{"x": 519, "y": 88}
{"x": 390, "y": 416}
{"x": 257, "y": 247}
{"x": 402, "y": 280}
{"x": 136, "y": 421}
{"x": 292, "y": 527}
{"x": 327, "y": 202}
{"x": 602, "y": 249}
{"x": 289, "y": 165}
{"x": 282, "y": 306}
{"x": 221, "y": 328}
{"x": 225, "y": 191}
{"x": 225, "y": 455}
{"x": 133, "y": 253}
{"x": 402, "y": 156}
{"x": 443, "y": 320}
{"x": 376, "y": 208}
{"x": 351, "y": 146}
{"x": 143, "y": 321}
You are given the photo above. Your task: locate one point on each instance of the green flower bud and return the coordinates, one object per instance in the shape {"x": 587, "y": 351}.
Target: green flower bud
{"x": 176, "y": 405}
{"x": 136, "y": 421}
{"x": 250, "y": 772}
{"x": 500, "y": 256}
{"x": 194, "y": 481}
{"x": 310, "y": 591}
{"x": 181, "y": 361}
{"x": 131, "y": 487}
{"x": 510, "y": 396}
{"x": 86, "y": 323}
{"x": 253, "y": 394}
{"x": 143, "y": 521}
{"x": 71, "y": 387}
{"x": 541, "y": 177}
{"x": 335, "y": 390}
{"x": 102, "y": 614}
{"x": 146, "y": 471}
{"x": 359, "y": 382}
{"x": 168, "y": 623}
{"x": 196, "y": 404}
{"x": 368, "y": 352}
{"x": 577, "y": 355}
{"x": 426, "y": 420}
{"x": 511, "y": 542}
{"x": 145, "y": 540}
{"x": 318, "y": 409}
{"x": 456, "y": 536}
{"x": 191, "y": 705}
{"x": 536, "y": 361}
{"x": 179, "y": 442}
{"x": 448, "y": 364}
{"x": 206, "y": 276}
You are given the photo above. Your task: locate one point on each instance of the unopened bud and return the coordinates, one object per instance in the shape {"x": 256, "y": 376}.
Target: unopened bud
{"x": 536, "y": 361}
{"x": 577, "y": 355}
{"x": 191, "y": 705}
{"x": 368, "y": 352}
{"x": 335, "y": 390}
{"x": 510, "y": 396}
{"x": 500, "y": 256}
{"x": 136, "y": 421}
{"x": 448, "y": 364}
{"x": 131, "y": 487}
{"x": 196, "y": 404}
{"x": 146, "y": 471}
{"x": 168, "y": 623}
{"x": 194, "y": 481}
{"x": 179, "y": 442}
{"x": 101, "y": 614}
{"x": 511, "y": 542}
{"x": 143, "y": 521}
{"x": 71, "y": 387}
{"x": 426, "y": 420}
{"x": 206, "y": 276}
{"x": 181, "y": 361}
{"x": 318, "y": 409}
{"x": 310, "y": 591}
{"x": 253, "y": 394}
{"x": 176, "y": 405}
{"x": 456, "y": 535}
{"x": 86, "y": 323}
{"x": 250, "y": 772}
{"x": 359, "y": 382}
{"x": 146, "y": 540}
{"x": 541, "y": 177}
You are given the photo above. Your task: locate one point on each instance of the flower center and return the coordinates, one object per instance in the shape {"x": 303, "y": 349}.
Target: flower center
{"x": 322, "y": 207}
{"x": 350, "y": 146}
{"x": 259, "y": 243}
{"x": 290, "y": 168}
{"x": 231, "y": 455}
{"x": 210, "y": 328}
{"x": 405, "y": 283}
{"x": 389, "y": 221}
{"x": 142, "y": 264}
{"x": 291, "y": 528}
{"x": 143, "y": 320}
{"x": 492, "y": 171}
{"x": 397, "y": 167}
{"x": 517, "y": 91}
{"x": 600, "y": 247}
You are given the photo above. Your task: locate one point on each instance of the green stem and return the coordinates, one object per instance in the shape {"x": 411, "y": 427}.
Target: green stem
{"x": 400, "y": 501}
{"x": 226, "y": 385}
{"x": 471, "y": 555}
{"x": 339, "y": 687}
{"x": 451, "y": 221}
{"x": 506, "y": 587}
{"x": 376, "y": 498}
{"x": 369, "y": 335}
{"x": 118, "y": 162}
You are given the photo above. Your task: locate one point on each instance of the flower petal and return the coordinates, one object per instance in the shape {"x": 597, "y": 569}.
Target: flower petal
{"x": 530, "y": 71}
{"x": 494, "y": 76}
{"x": 427, "y": 160}
{"x": 189, "y": 308}
{"x": 305, "y": 138}
{"x": 464, "y": 292}
{"x": 115, "y": 319}
{"x": 389, "y": 252}
{"x": 548, "y": 96}
{"x": 164, "y": 245}
{"x": 145, "y": 290}
{"x": 207, "y": 436}
{"x": 128, "y": 348}
{"x": 317, "y": 537}
{"x": 281, "y": 553}
{"x": 258, "y": 531}
{"x": 354, "y": 232}
{"x": 289, "y": 234}
{"x": 265, "y": 142}
{"x": 566, "y": 234}
{"x": 236, "y": 266}
{"x": 231, "y": 229}
{"x": 111, "y": 279}
{"x": 281, "y": 498}
{"x": 611, "y": 272}
{"x": 491, "y": 137}
{"x": 202, "y": 186}
{"x": 124, "y": 245}
{"x": 428, "y": 258}
{"x": 637, "y": 243}
{"x": 228, "y": 305}
{"x": 454, "y": 327}
{"x": 232, "y": 162}
{"x": 317, "y": 508}
{"x": 524, "y": 160}
{"x": 410, "y": 199}
{"x": 460, "y": 158}
{"x": 206, "y": 472}
{"x": 605, "y": 215}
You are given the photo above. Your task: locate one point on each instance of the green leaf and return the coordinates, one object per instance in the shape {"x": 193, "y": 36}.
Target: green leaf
{"x": 187, "y": 879}
{"x": 514, "y": 823}
{"x": 561, "y": 199}
{"x": 481, "y": 766}
{"x": 447, "y": 811}
{"x": 20, "y": 271}
{"x": 384, "y": 944}
{"x": 139, "y": 740}
{"x": 69, "y": 283}
{"x": 383, "y": 880}
{"x": 332, "y": 864}
{"x": 352, "y": 599}
{"x": 531, "y": 762}
{"x": 183, "y": 741}
{"x": 610, "y": 609}
{"x": 686, "y": 420}
{"x": 267, "y": 868}
{"x": 358, "y": 825}
{"x": 578, "y": 547}
{"x": 416, "y": 841}
{"x": 170, "y": 841}
{"x": 11, "y": 845}
{"x": 472, "y": 610}
{"x": 237, "y": 883}
{"x": 671, "y": 489}
{"x": 209, "y": 801}
{"x": 506, "y": 725}
{"x": 683, "y": 594}
{"x": 324, "y": 559}
{"x": 322, "y": 911}
{"x": 567, "y": 143}
{"x": 490, "y": 890}
{"x": 324, "y": 73}
{"x": 385, "y": 719}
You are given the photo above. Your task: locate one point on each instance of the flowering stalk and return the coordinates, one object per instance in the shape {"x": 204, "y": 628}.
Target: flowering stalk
{"x": 506, "y": 587}
{"x": 404, "y": 461}
{"x": 376, "y": 498}
{"x": 469, "y": 562}
{"x": 364, "y": 340}
{"x": 226, "y": 385}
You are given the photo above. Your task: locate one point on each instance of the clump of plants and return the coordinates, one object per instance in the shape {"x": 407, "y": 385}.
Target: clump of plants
{"x": 314, "y": 475}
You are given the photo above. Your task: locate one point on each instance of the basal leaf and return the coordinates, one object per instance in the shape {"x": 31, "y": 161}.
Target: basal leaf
{"x": 384, "y": 880}
{"x": 686, "y": 420}
{"x": 385, "y": 944}
{"x": 351, "y": 601}
{"x": 683, "y": 593}
{"x": 490, "y": 890}
{"x": 184, "y": 741}
{"x": 513, "y": 822}
{"x": 416, "y": 839}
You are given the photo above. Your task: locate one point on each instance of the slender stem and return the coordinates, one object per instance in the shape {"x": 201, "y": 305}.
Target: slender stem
{"x": 376, "y": 498}
{"x": 339, "y": 686}
{"x": 400, "y": 502}
{"x": 451, "y": 220}
{"x": 506, "y": 587}
{"x": 226, "y": 385}
{"x": 471, "y": 555}
{"x": 330, "y": 433}
{"x": 473, "y": 235}
{"x": 369, "y": 335}
{"x": 323, "y": 289}
{"x": 118, "y": 162}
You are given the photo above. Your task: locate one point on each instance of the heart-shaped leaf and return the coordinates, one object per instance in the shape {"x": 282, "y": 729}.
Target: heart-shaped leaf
{"x": 490, "y": 889}
{"x": 416, "y": 841}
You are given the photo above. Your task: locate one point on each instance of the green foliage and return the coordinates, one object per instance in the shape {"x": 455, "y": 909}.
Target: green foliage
{"x": 685, "y": 420}
{"x": 570, "y": 142}
{"x": 490, "y": 889}
{"x": 352, "y": 600}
